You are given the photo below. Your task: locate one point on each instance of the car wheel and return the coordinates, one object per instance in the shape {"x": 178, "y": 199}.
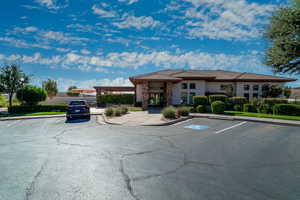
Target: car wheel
{"x": 68, "y": 118}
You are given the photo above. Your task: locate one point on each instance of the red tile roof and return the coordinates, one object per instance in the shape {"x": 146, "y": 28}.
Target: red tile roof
{"x": 214, "y": 75}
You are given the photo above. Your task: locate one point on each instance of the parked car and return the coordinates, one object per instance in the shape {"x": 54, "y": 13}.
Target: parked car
{"x": 78, "y": 109}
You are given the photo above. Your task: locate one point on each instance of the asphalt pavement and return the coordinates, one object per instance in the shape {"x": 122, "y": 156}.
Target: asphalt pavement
{"x": 49, "y": 159}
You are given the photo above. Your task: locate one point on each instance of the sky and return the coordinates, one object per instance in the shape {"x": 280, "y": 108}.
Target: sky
{"x": 103, "y": 42}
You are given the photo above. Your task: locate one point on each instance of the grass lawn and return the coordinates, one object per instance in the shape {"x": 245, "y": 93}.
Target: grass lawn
{"x": 32, "y": 114}
{"x": 249, "y": 114}
{"x": 135, "y": 109}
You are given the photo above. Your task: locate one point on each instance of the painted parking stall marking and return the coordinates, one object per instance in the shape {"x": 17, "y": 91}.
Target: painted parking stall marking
{"x": 197, "y": 127}
{"x": 231, "y": 127}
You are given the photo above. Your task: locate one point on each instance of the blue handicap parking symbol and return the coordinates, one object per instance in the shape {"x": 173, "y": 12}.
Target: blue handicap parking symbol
{"x": 196, "y": 127}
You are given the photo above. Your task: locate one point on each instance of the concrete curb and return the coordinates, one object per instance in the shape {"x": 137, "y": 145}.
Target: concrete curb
{"x": 171, "y": 122}
{"x": 251, "y": 119}
{"x": 35, "y": 117}
{"x": 160, "y": 124}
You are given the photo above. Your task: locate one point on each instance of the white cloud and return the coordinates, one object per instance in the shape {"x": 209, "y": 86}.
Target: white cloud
{"x": 102, "y": 12}
{"x": 226, "y": 19}
{"x": 129, "y": 21}
{"x": 85, "y": 52}
{"x": 128, "y": 1}
{"x": 63, "y": 83}
{"x": 53, "y": 4}
{"x": 161, "y": 59}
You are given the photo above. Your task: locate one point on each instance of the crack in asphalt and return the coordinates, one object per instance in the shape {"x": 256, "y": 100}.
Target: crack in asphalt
{"x": 127, "y": 181}
{"x": 31, "y": 189}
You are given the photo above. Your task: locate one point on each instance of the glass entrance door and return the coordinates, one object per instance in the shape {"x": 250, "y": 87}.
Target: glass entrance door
{"x": 156, "y": 99}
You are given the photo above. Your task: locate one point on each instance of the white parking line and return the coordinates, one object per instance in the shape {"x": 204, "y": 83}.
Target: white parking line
{"x": 231, "y": 127}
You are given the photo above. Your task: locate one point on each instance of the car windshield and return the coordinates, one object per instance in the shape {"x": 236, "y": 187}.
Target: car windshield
{"x": 77, "y": 103}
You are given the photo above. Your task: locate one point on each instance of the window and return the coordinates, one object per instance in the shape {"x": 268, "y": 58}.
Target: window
{"x": 191, "y": 99}
{"x": 192, "y": 86}
{"x": 246, "y": 87}
{"x": 184, "y": 86}
{"x": 184, "y": 98}
{"x": 246, "y": 95}
{"x": 255, "y": 87}
{"x": 255, "y": 95}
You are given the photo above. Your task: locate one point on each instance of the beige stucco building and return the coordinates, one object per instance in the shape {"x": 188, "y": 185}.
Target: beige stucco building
{"x": 176, "y": 87}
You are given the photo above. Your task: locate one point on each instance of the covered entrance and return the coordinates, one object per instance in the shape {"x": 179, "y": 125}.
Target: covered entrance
{"x": 156, "y": 99}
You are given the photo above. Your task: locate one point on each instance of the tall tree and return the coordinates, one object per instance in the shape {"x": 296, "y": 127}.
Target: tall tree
{"x": 12, "y": 78}
{"x": 51, "y": 87}
{"x": 283, "y": 35}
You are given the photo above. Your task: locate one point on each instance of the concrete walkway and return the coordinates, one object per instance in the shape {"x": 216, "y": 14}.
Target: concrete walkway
{"x": 141, "y": 118}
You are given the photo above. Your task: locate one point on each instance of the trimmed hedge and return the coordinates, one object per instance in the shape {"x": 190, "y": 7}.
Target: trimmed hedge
{"x": 286, "y": 109}
{"x": 218, "y": 107}
{"x": 273, "y": 101}
{"x": 37, "y": 108}
{"x": 220, "y": 97}
{"x": 200, "y": 109}
{"x": 238, "y": 100}
{"x": 237, "y": 107}
{"x": 169, "y": 112}
{"x": 249, "y": 108}
{"x": 183, "y": 111}
{"x": 265, "y": 109}
{"x": 115, "y": 99}
{"x": 200, "y": 100}
{"x": 73, "y": 94}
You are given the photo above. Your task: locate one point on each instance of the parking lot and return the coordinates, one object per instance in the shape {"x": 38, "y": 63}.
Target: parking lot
{"x": 199, "y": 159}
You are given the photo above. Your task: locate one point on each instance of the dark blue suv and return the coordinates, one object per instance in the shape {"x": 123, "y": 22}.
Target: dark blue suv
{"x": 78, "y": 109}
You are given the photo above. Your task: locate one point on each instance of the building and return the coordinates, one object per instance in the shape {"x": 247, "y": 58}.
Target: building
{"x": 176, "y": 87}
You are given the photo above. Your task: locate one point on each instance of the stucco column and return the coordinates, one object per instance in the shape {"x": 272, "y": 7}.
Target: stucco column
{"x": 169, "y": 95}
{"x": 145, "y": 93}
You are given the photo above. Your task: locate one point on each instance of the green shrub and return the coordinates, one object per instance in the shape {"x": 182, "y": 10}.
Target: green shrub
{"x": 273, "y": 101}
{"x": 286, "y": 109}
{"x": 73, "y": 94}
{"x": 3, "y": 101}
{"x": 249, "y": 108}
{"x": 37, "y": 108}
{"x": 238, "y": 100}
{"x": 124, "y": 110}
{"x": 218, "y": 107}
{"x": 115, "y": 99}
{"x": 169, "y": 112}
{"x": 109, "y": 112}
{"x": 200, "y": 100}
{"x": 265, "y": 109}
{"x": 183, "y": 111}
{"x": 31, "y": 95}
{"x": 118, "y": 112}
{"x": 237, "y": 107}
{"x": 219, "y": 97}
{"x": 200, "y": 109}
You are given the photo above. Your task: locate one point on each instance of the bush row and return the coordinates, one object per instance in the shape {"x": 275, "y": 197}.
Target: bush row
{"x": 115, "y": 99}
{"x": 116, "y": 111}
{"x": 37, "y": 108}
{"x": 173, "y": 113}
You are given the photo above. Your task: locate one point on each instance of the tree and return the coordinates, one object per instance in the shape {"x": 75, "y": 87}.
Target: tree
{"x": 287, "y": 92}
{"x": 51, "y": 87}
{"x": 72, "y": 87}
{"x": 31, "y": 95}
{"x": 283, "y": 35}
{"x": 271, "y": 91}
{"x": 275, "y": 91}
{"x": 12, "y": 79}
{"x": 228, "y": 89}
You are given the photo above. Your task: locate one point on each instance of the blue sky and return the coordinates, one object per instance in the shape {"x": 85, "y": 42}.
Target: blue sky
{"x": 103, "y": 42}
